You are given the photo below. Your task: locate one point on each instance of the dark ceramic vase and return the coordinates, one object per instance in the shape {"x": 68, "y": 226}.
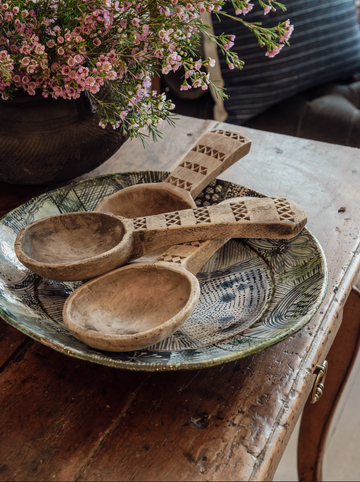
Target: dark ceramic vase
{"x": 43, "y": 140}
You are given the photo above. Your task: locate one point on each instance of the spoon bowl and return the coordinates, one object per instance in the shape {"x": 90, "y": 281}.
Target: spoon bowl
{"x": 146, "y": 200}
{"x": 88, "y": 242}
{"x": 132, "y": 307}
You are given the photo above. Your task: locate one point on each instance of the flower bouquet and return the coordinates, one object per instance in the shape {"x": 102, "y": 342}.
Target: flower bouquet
{"x": 113, "y": 49}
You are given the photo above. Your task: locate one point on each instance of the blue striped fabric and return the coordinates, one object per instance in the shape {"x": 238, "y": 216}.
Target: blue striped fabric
{"x": 325, "y": 47}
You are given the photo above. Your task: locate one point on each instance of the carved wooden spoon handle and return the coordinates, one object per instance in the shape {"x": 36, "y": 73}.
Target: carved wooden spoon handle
{"x": 245, "y": 217}
{"x": 193, "y": 255}
{"x": 215, "y": 152}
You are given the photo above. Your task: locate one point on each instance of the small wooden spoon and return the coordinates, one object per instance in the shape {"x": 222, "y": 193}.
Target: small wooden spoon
{"x": 140, "y": 304}
{"x": 215, "y": 152}
{"x": 78, "y": 246}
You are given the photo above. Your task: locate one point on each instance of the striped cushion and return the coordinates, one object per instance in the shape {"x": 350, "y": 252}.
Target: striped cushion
{"x": 325, "y": 46}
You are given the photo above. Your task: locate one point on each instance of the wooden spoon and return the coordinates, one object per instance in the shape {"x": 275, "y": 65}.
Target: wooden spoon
{"x": 215, "y": 152}
{"x": 140, "y": 304}
{"x": 78, "y": 246}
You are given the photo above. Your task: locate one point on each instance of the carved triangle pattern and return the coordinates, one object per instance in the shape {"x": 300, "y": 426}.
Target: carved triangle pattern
{"x": 194, "y": 167}
{"x": 232, "y": 135}
{"x": 284, "y": 210}
{"x": 240, "y": 211}
{"x": 171, "y": 258}
{"x": 172, "y": 219}
{"x": 175, "y": 181}
{"x": 139, "y": 223}
{"x": 202, "y": 215}
{"x": 194, "y": 244}
{"x": 209, "y": 151}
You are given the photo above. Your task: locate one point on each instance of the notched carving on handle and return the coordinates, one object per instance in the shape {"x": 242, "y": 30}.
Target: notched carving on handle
{"x": 194, "y": 244}
{"x": 240, "y": 211}
{"x": 169, "y": 258}
{"x": 139, "y": 223}
{"x": 193, "y": 166}
{"x": 172, "y": 219}
{"x": 209, "y": 151}
{"x": 177, "y": 182}
{"x": 175, "y": 257}
{"x": 284, "y": 209}
{"x": 202, "y": 216}
{"x": 232, "y": 135}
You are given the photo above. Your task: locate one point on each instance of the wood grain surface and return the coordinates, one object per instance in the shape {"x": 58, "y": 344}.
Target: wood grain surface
{"x": 315, "y": 421}
{"x": 65, "y": 419}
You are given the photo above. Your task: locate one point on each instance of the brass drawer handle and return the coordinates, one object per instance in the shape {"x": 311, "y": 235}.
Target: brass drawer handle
{"x": 318, "y": 389}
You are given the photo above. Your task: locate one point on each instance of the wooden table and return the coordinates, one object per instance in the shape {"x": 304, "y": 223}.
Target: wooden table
{"x": 66, "y": 419}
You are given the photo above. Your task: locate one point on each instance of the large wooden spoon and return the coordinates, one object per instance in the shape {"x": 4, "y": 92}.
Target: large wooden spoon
{"x": 78, "y": 246}
{"x": 215, "y": 152}
{"x": 140, "y": 304}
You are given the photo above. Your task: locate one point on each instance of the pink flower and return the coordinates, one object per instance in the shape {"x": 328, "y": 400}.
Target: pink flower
{"x": 83, "y": 71}
{"x": 228, "y": 45}
{"x": 267, "y": 9}
{"x": 274, "y": 51}
{"x": 166, "y": 69}
{"x": 289, "y": 30}
{"x": 111, "y": 75}
{"x": 147, "y": 82}
{"x": 25, "y": 61}
{"x": 159, "y": 53}
{"x": 96, "y": 42}
{"x": 90, "y": 81}
{"x": 245, "y": 10}
{"x": 66, "y": 70}
{"x": 39, "y": 49}
{"x": 60, "y": 40}
{"x": 135, "y": 21}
